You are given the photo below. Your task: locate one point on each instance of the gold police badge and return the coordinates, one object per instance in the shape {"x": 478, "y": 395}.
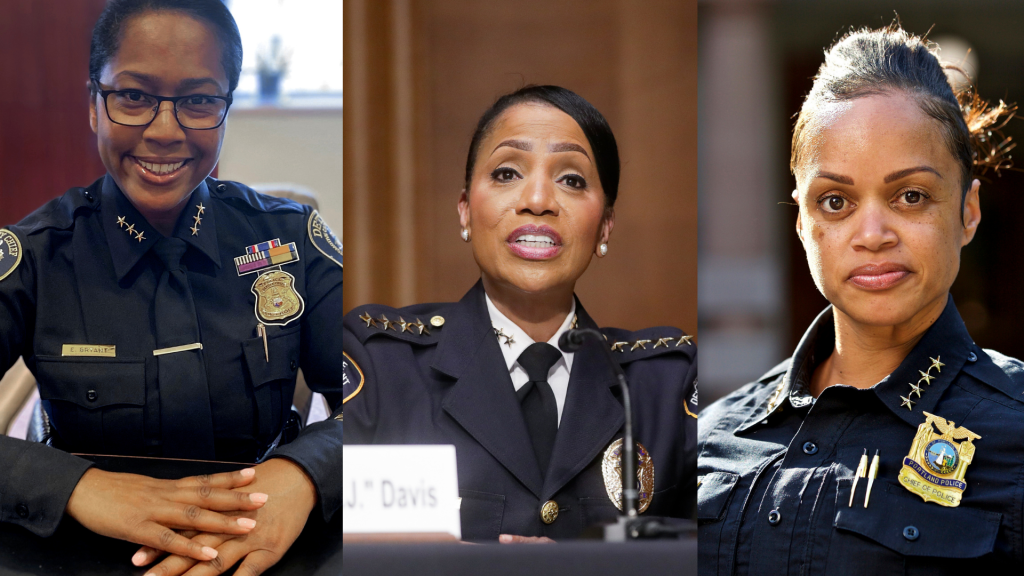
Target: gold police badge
{"x": 935, "y": 467}
{"x": 277, "y": 302}
{"x": 611, "y": 468}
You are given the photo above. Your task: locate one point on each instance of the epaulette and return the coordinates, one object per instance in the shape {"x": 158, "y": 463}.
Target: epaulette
{"x": 240, "y": 194}
{"x": 628, "y": 346}
{"x": 999, "y": 371}
{"x": 59, "y": 213}
{"x": 421, "y": 324}
{"x": 780, "y": 368}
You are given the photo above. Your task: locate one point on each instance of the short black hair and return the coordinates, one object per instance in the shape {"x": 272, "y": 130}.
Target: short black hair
{"x": 106, "y": 35}
{"x": 593, "y": 124}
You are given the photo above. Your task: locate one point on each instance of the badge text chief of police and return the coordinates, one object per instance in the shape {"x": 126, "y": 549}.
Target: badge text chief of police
{"x": 531, "y": 425}
{"x": 884, "y": 166}
{"x": 129, "y": 305}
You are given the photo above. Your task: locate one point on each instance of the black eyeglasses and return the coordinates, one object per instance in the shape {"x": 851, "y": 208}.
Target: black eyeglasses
{"x": 136, "y": 108}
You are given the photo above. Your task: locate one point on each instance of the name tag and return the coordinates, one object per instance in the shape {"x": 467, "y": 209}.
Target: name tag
{"x": 400, "y": 489}
{"x": 89, "y": 350}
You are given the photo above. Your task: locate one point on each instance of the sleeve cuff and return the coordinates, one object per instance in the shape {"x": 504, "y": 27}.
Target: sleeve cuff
{"x": 318, "y": 451}
{"x": 37, "y": 484}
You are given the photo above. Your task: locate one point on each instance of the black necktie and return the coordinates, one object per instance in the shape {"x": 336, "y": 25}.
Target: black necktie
{"x": 538, "y": 401}
{"x": 186, "y": 419}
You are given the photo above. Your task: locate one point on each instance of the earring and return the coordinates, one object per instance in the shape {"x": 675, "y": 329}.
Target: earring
{"x": 465, "y": 235}
{"x": 603, "y": 249}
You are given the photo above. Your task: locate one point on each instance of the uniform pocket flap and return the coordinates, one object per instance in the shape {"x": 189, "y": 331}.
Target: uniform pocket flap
{"x": 92, "y": 382}
{"x": 713, "y": 491}
{"x": 904, "y": 523}
{"x": 481, "y": 514}
{"x": 283, "y": 362}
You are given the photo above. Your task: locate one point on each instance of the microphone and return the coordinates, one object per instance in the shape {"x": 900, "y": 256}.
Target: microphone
{"x": 571, "y": 341}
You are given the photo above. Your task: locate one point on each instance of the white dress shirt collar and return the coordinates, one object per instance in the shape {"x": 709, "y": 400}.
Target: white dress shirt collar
{"x": 515, "y": 340}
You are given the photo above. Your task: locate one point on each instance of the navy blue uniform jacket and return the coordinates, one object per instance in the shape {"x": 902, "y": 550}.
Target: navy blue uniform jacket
{"x": 777, "y": 466}
{"x": 450, "y": 385}
{"x": 80, "y": 277}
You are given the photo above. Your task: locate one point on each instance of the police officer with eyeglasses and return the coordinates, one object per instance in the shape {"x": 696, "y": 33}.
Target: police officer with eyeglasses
{"x": 166, "y": 314}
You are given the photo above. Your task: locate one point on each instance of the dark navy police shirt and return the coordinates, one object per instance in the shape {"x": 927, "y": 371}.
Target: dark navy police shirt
{"x": 86, "y": 275}
{"x": 776, "y": 466}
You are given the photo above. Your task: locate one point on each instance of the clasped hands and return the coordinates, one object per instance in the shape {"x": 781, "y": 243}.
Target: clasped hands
{"x": 205, "y": 524}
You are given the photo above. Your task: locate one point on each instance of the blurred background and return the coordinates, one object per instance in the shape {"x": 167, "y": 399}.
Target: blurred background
{"x": 757, "y": 61}
{"x": 284, "y": 128}
{"x": 420, "y": 73}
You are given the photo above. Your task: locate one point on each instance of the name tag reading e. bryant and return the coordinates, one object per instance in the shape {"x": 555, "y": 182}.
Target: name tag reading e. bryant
{"x": 400, "y": 493}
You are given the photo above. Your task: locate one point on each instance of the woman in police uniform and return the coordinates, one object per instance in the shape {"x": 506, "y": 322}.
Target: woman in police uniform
{"x": 531, "y": 424}
{"x": 166, "y": 314}
{"x": 889, "y": 442}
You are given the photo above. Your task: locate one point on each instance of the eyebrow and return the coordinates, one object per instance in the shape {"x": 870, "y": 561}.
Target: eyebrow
{"x": 185, "y": 84}
{"x": 897, "y": 175}
{"x": 568, "y": 147}
{"x": 836, "y": 177}
{"x": 517, "y": 144}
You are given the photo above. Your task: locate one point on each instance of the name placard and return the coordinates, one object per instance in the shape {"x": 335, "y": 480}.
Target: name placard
{"x": 400, "y": 489}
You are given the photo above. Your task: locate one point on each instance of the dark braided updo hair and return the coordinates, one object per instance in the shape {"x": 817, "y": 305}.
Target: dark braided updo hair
{"x": 891, "y": 60}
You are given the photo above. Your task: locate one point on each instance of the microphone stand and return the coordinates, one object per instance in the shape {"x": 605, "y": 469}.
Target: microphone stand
{"x": 629, "y": 525}
{"x": 574, "y": 339}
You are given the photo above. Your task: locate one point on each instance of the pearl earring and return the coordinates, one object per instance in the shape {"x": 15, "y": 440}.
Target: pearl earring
{"x": 603, "y": 249}
{"x": 465, "y": 235}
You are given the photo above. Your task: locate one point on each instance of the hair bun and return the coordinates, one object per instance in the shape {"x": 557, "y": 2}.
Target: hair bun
{"x": 990, "y": 147}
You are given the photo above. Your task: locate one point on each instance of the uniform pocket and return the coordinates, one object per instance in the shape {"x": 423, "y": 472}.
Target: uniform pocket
{"x": 283, "y": 351}
{"x": 95, "y": 404}
{"x": 481, "y": 514}
{"x": 915, "y": 535}
{"x": 713, "y": 490}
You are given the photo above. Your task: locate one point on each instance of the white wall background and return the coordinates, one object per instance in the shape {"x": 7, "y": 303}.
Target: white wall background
{"x": 282, "y": 145}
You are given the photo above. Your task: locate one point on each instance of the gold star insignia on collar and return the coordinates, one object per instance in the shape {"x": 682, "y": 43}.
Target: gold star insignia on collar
{"x": 572, "y": 325}
{"x": 131, "y": 229}
{"x": 915, "y": 389}
{"x": 405, "y": 326}
{"x": 370, "y": 320}
{"x": 500, "y": 333}
{"x": 663, "y": 342}
{"x": 907, "y": 402}
{"x": 684, "y": 339}
{"x": 140, "y": 237}
{"x": 641, "y": 344}
{"x": 197, "y": 218}
{"x": 420, "y": 326}
{"x": 120, "y": 222}
{"x": 926, "y": 377}
{"x": 618, "y": 346}
{"x": 935, "y": 364}
{"x": 385, "y": 323}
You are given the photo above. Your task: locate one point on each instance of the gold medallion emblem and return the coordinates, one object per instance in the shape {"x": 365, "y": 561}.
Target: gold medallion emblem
{"x": 277, "y": 302}
{"x": 611, "y": 467}
{"x": 935, "y": 467}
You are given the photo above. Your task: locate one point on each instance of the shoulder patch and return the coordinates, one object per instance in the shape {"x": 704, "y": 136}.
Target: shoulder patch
{"x": 10, "y": 253}
{"x": 323, "y": 238}
{"x": 352, "y": 378}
